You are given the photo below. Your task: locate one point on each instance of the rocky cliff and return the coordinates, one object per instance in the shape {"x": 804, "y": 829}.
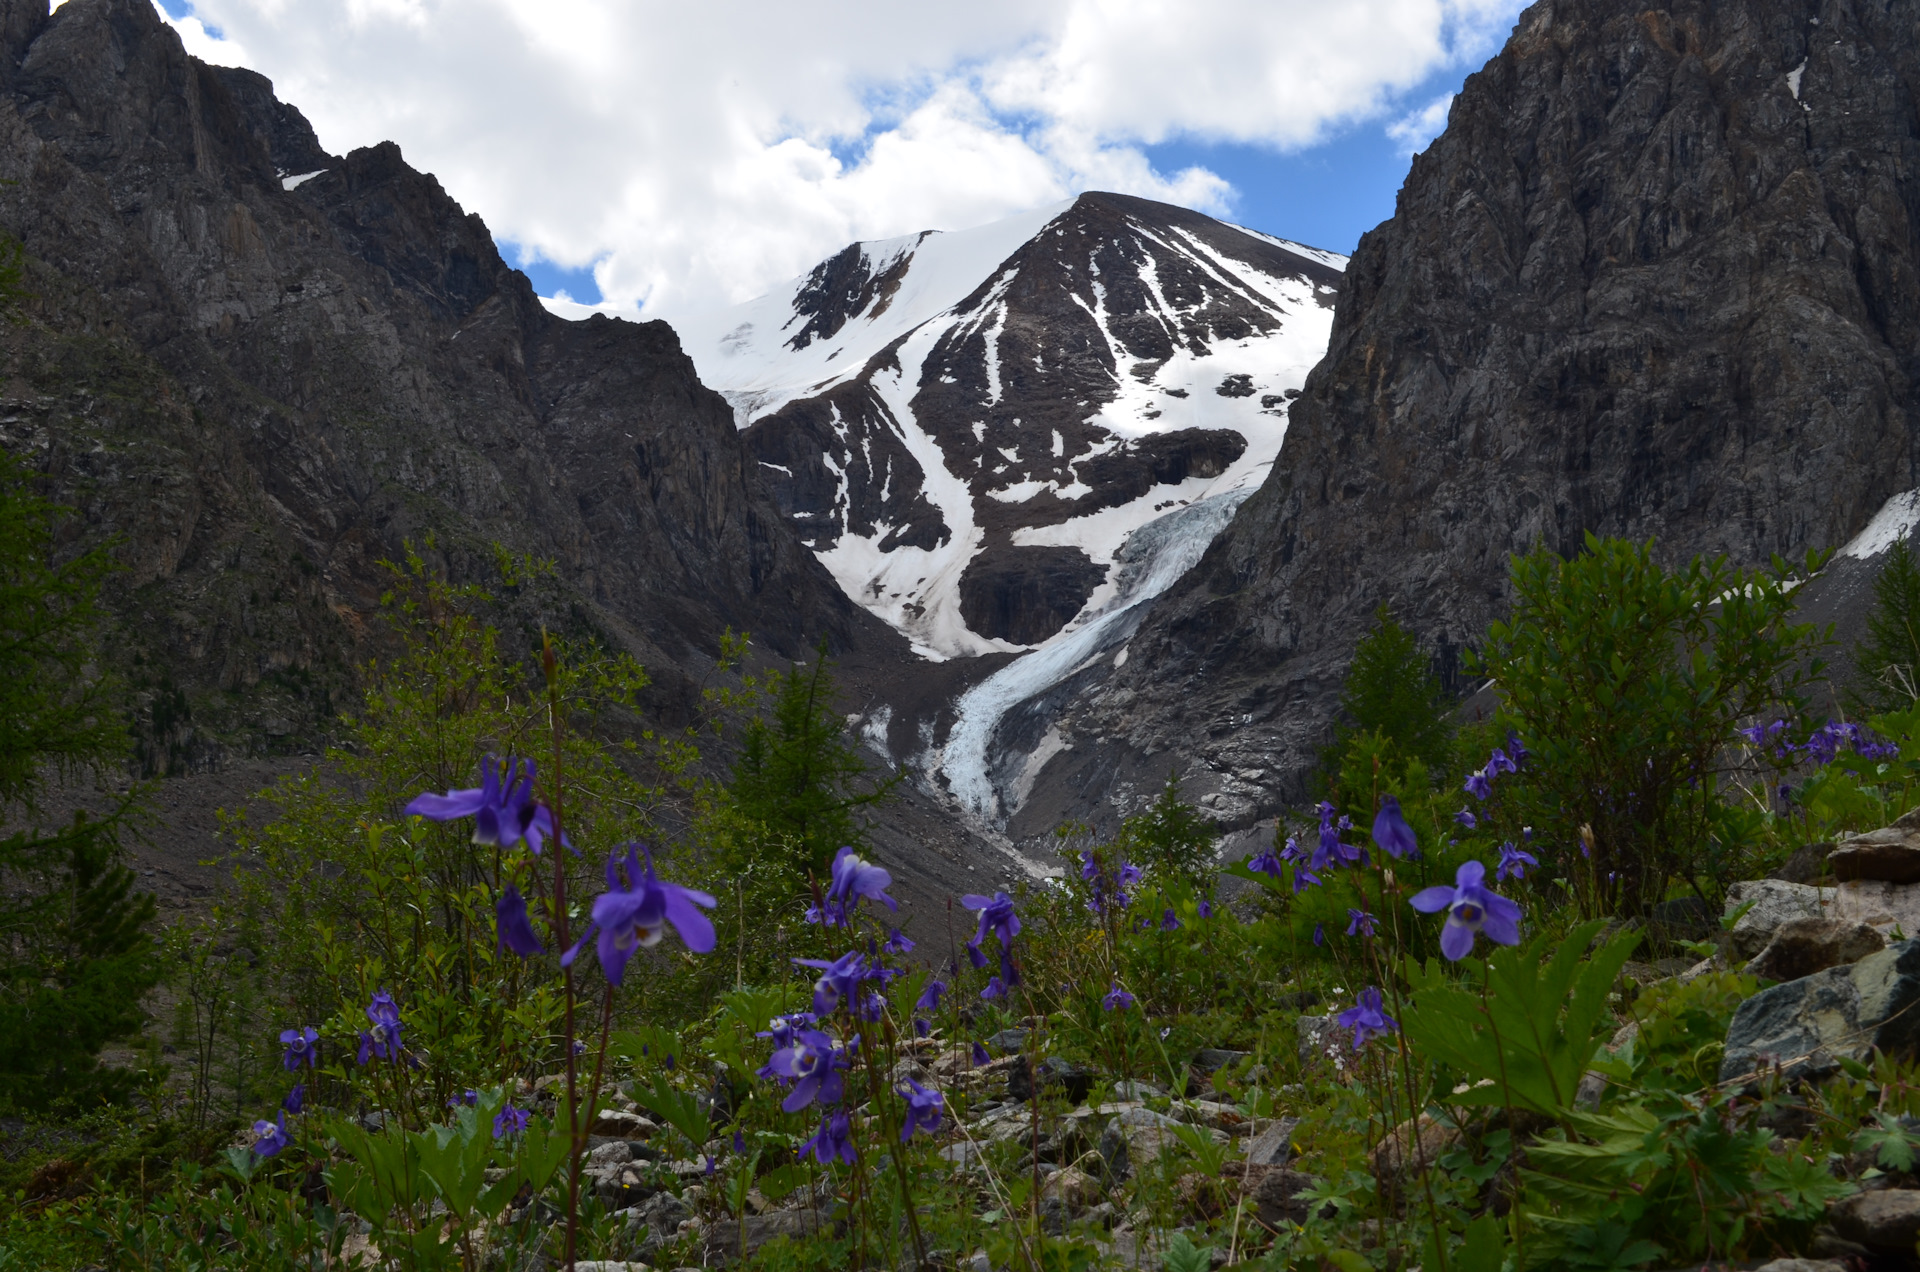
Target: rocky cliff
{"x": 1657, "y": 278}
{"x": 265, "y": 369}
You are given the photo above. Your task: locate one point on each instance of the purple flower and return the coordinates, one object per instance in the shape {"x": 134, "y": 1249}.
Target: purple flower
{"x": 1319, "y": 934}
{"x": 1117, "y": 999}
{"x": 1391, "y": 832}
{"x": 839, "y": 981}
{"x": 739, "y": 1142}
{"x": 1304, "y": 878}
{"x": 296, "y": 1098}
{"x": 1466, "y": 818}
{"x": 1471, "y": 908}
{"x": 1290, "y": 851}
{"x": 1169, "y": 922}
{"x": 922, "y": 1026}
{"x": 980, "y": 1055}
{"x": 1367, "y": 1020}
{"x": 1498, "y": 763}
{"x": 503, "y": 812}
{"x": 384, "y": 1039}
{"x": 813, "y": 1064}
{"x": 1479, "y": 787}
{"x": 509, "y": 1121}
{"x": 1009, "y": 970}
{"x": 1514, "y": 749}
{"x": 832, "y": 1142}
{"x": 975, "y": 955}
{"x": 929, "y": 999}
{"x": 1266, "y": 863}
{"x": 995, "y": 989}
{"x": 996, "y": 916}
{"x": 637, "y": 915}
{"x": 1360, "y": 923}
{"x": 1204, "y": 908}
{"x": 303, "y": 1048}
{"x": 853, "y": 879}
{"x": 1513, "y": 863}
{"x": 1130, "y": 874}
{"x": 512, "y": 931}
{"x": 270, "y": 1137}
{"x": 468, "y": 1097}
{"x": 898, "y": 942}
{"x": 1331, "y": 851}
{"x": 923, "y": 1110}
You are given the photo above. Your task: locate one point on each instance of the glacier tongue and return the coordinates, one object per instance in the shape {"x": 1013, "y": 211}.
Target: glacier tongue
{"x": 1009, "y": 440}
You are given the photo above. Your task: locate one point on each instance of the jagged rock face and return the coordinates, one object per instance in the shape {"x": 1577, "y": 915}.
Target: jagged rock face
{"x": 266, "y": 385}
{"x": 1657, "y": 278}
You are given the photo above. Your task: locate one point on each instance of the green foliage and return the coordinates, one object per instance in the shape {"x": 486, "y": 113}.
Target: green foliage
{"x": 1888, "y": 660}
{"x": 1626, "y": 680}
{"x": 1391, "y": 692}
{"x": 75, "y": 958}
{"x": 1526, "y": 1040}
{"x": 1682, "y": 1028}
{"x": 1169, "y": 838}
{"x": 798, "y": 781}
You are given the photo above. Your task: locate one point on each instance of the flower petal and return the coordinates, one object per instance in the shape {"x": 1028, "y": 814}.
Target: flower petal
{"x": 1433, "y": 899}
{"x": 1456, "y": 940}
{"x": 446, "y": 807}
{"x": 695, "y": 928}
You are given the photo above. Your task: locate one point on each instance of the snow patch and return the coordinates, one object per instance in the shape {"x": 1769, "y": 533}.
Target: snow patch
{"x": 294, "y": 183}
{"x": 1793, "y": 82}
{"x": 1895, "y": 521}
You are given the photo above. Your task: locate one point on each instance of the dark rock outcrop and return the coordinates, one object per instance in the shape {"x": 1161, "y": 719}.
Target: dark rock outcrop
{"x": 1657, "y": 278}
{"x": 1806, "y": 1026}
{"x": 266, "y": 391}
{"x": 1801, "y": 947}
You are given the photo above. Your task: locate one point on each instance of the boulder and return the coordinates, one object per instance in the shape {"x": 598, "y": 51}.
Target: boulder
{"x": 1074, "y": 1186}
{"x": 725, "y": 1239}
{"x": 618, "y": 1125}
{"x": 1273, "y": 1146}
{"x": 1276, "y": 1202}
{"x": 1774, "y": 902}
{"x": 1401, "y": 1154}
{"x": 1883, "y": 856}
{"x": 1801, "y": 947}
{"x": 1886, "y": 1222}
{"x": 1057, "y": 1076}
{"x": 1806, "y": 1026}
{"x": 1890, "y": 907}
{"x": 1803, "y": 1265}
{"x": 1210, "y": 1060}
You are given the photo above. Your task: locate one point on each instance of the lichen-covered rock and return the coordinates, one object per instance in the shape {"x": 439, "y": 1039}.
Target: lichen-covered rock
{"x": 1806, "y": 1026}
{"x": 1889, "y": 855}
{"x": 1801, "y": 947}
{"x": 1889, "y": 907}
{"x": 1773, "y": 903}
{"x": 1886, "y": 1222}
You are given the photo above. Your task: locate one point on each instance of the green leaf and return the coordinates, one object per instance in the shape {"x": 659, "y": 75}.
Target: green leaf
{"x": 1894, "y": 1143}
{"x": 1184, "y": 1256}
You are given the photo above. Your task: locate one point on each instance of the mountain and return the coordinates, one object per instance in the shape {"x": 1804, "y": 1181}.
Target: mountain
{"x": 1004, "y": 442}
{"x": 1657, "y": 278}
{"x": 267, "y": 368}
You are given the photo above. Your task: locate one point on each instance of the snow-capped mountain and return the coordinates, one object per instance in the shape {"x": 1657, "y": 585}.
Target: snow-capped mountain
{"x": 1006, "y": 440}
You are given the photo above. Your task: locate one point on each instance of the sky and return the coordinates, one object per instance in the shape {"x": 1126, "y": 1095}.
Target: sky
{"x": 662, "y": 158}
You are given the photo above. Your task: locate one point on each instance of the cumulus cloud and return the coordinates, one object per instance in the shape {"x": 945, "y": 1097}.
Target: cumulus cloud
{"x": 697, "y": 154}
{"x": 1412, "y": 132}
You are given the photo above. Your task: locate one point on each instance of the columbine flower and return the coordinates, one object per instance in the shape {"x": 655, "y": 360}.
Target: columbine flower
{"x": 854, "y": 878}
{"x": 922, "y": 1026}
{"x": 996, "y": 916}
{"x": 898, "y": 942}
{"x": 980, "y": 1055}
{"x": 1304, "y": 878}
{"x": 839, "y": 980}
{"x": 1205, "y": 908}
{"x": 1391, "y": 832}
{"x": 1169, "y": 922}
{"x": 813, "y": 1064}
{"x": 1266, "y": 863}
{"x": 296, "y": 1098}
{"x": 270, "y": 1137}
{"x": 929, "y": 999}
{"x": 1479, "y": 787}
{"x": 1117, "y": 999}
{"x": 503, "y": 812}
{"x": 509, "y": 1121}
{"x": 1360, "y": 923}
{"x": 303, "y": 1048}
{"x": 995, "y": 989}
{"x": 975, "y": 955}
{"x": 833, "y": 1141}
{"x": 1367, "y": 1020}
{"x": 1498, "y": 763}
{"x": 1331, "y": 851}
{"x": 384, "y": 1039}
{"x": 1319, "y": 934}
{"x": 1471, "y": 908}
{"x": 923, "y": 1110}
{"x": 512, "y": 931}
{"x": 1514, "y": 749}
{"x": 638, "y": 914}
{"x": 1513, "y": 863}
{"x": 1466, "y": 818}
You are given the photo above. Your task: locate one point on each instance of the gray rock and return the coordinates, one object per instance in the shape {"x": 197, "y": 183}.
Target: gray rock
{"x": 1807, "y": 1025}
{"x": 1883, "y": 856}
{"x": 1808, "y": 864}
{"x": 1774, "y": 902}
{"x": 1057, "y": 1076}
{"x": 1893, "y": 908}
{"x": 1007, "y": 1042}
{"x": 1274, "y": 1145}
{"x": 1275, "y": 1202}
{"x": 1213, "y": 1059}
{"x": 1886, "y": 1222}
{"x": 724, "y": 1240}
{"x": 1801, "y": 947}
{"x": 1802, "y": 1265}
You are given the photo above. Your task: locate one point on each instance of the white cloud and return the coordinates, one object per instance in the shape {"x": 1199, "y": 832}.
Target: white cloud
{"x": 1413, "y": 132}
{"x": 697, "y": 154}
